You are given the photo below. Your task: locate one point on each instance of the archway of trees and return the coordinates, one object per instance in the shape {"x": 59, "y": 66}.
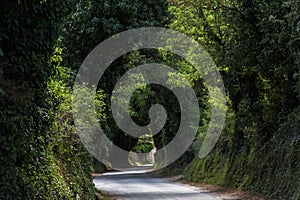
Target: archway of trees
{"x": 255, "y": 45}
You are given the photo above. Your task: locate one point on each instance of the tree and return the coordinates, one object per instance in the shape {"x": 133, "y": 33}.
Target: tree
{"x": 94, "y": 21}
{"x": 254, "y": 43}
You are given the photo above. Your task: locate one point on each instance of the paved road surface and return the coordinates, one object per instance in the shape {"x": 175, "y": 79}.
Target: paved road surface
{"x": 138, "y": 185}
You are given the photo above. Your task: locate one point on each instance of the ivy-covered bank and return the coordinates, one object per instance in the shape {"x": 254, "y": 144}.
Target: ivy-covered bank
{"x": 272, "y": 170}
{"x": 40, "y": 154}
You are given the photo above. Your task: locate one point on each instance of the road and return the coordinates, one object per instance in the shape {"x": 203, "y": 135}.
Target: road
{"x": 139, "y": 185}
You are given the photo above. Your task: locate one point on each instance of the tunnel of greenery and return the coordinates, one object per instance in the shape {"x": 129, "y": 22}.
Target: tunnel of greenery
{"x": 255, "y": 44}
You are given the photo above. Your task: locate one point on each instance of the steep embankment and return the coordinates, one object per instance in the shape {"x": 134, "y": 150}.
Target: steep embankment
{"x": 40, "y": 154}
{"x": 256, "y": 46}
{"x": 272, "y": 170}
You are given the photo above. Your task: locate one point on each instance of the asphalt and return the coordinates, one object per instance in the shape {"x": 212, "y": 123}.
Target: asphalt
{"x": 137, "y": 184}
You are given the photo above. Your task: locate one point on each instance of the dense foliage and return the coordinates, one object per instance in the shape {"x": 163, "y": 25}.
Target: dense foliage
{"x": 255, "y": 44}
{"x": 42, "y": 46}
{"x": 94, "y": 21}
{"x": 41, "y": 157}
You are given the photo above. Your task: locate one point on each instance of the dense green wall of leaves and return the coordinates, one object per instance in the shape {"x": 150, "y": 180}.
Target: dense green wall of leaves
{"x": 40, "y": 155}
{"x": 256, "y": 46}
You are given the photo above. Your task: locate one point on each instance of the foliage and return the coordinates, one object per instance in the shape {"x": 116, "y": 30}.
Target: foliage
{"x": 41, "y": 156}
{"x": 254, "y": 43}
{"x": 68, "y": 151}
{"x": 94, "y": 21}
{"x": 143, "y": 145}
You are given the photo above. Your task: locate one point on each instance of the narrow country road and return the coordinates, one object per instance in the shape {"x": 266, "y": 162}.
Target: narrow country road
{"x": 138, "y": 185}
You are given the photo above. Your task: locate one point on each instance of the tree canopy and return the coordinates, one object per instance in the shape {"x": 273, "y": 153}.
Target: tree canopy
{"x": 255, "y": 45}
